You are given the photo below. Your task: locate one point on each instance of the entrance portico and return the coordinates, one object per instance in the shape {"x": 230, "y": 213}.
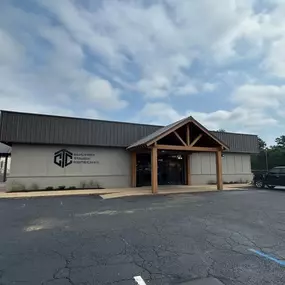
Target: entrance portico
{"x": 181, "y": 138}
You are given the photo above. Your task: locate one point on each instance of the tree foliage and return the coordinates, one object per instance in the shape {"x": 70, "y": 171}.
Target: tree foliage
{"x": 269, "y": 156}
{"x": 261, "y": 144}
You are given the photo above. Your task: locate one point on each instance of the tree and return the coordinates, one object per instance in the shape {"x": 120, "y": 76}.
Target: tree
{"x": 221, "y": 130}
{"x": 261, "y": 144}
{"x": 280, "y": 142}
{"x": 271, "y": 157}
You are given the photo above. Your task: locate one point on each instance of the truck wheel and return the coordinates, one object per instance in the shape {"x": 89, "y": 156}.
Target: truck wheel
{"x": 270, "y": 186}
{"x": 259, "y": 184}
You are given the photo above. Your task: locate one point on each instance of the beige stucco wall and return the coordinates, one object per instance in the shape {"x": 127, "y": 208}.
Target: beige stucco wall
{"x": 35, "y": 164}
{"x": 236, "y": 168}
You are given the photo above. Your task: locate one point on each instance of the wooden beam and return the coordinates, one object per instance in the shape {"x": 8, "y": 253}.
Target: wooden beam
{"x": 188, "y": 169}
{"x": 188, "y": 148}
{"x": 196, "y": 140}
{"x": 188, "y": 134}
{"x": 154, "y": 170}
{"x": 133, "y": 169}
{"x": 169, "y": 131}
{"x": 5, "y": 168}
{"x": 182, "y": 141}
{"x": 219, "y": 170}
{"x": 209, "y": 134}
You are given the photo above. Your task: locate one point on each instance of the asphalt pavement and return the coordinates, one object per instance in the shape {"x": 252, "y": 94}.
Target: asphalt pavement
{"x": 235, "y": 237}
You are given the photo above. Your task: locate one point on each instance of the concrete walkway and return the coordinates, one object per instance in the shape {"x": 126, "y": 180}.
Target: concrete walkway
{"x": 124, "y": 192}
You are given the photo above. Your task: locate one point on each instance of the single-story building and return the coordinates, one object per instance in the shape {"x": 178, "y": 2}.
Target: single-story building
{"x": 62, "y": 151}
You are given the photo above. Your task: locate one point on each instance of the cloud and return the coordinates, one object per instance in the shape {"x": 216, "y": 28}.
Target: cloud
{"x": 257, "y": 108}
{"x": 187, "y": 89}
{"x": 158, "y": 113}
{"x": 161, "y": 39}
{"x": 11, "y": 52}
{"x": 260, "y": 96}
{"x": 104, "y": 95}
{"x": 209, "y": 87}
{"x": 157, "y": 87}
{"x": 32, "y": 82}
{"x": 134, "y": 58}
{"x": 275, "y": 61}
{"x": 235, "y": 120}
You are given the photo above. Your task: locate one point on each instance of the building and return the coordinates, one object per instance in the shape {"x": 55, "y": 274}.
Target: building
{"x": 62, "y": 151}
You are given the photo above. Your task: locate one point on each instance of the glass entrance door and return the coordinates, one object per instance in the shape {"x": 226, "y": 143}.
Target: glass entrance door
{"x": 170, "y": 169}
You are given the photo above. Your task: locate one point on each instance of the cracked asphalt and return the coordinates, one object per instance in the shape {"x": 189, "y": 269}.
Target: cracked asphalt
{"x": 164, "y": 239}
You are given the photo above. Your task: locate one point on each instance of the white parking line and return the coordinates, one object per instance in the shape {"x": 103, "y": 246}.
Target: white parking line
{"x": 139, "y": 280}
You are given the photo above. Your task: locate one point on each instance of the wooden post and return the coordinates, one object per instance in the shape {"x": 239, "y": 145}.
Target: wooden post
{"x": 154, "y": 170}
{"x": 5, "y": 168}
{"x": 188, "y": 134}
{"x": 133, "y": 169}
{"x": 219, "y": 170}
{"x": 188, "y": 169}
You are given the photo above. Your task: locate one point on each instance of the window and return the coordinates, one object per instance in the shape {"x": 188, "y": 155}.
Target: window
{"x": 282, "y": 170}
{"x": 275, "y": 171}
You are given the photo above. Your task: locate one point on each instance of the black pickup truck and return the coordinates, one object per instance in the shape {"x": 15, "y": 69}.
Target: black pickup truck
{"x": 271, "y": 179}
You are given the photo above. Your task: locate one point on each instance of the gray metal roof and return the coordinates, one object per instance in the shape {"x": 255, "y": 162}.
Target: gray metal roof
{"x": 27, "y": 128}
{"x": 155, "y": 134}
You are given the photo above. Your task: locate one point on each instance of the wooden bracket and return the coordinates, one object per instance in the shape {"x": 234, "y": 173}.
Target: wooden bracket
{"x": 196, "y": 140}
{"x": 188, "y": 134}
{"x": 182, "y": 141}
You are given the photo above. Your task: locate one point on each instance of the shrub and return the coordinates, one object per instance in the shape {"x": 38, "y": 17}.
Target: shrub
{"x": 34, "y": 186}
{"x": 91, "y": 184}
{"x": 62, "y": 187}
{"x": 71, "y": 188}
{"x": 83, "y": 184}
{"x": 16, "y": 186}
{"x": 212, "y": 182}
{"x": 98, "y": 185}
{"x": 49, "y": 188}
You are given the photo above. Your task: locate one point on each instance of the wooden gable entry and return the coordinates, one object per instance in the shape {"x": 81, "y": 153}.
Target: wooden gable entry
{"x": 187, "y": 136}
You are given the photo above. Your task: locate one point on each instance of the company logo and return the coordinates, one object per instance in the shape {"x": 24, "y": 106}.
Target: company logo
{"x": 63, "y": 158}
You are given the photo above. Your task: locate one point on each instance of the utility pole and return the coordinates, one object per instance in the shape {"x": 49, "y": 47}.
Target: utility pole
{"x": 266, "y": 158}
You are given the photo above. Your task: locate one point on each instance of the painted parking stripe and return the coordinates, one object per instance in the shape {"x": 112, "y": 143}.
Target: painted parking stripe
{"x": 139, "y": 280}
{"x": 262, "y": 254}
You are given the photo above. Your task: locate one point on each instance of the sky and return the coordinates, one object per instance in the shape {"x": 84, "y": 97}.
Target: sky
{"x": 147, "y": 61}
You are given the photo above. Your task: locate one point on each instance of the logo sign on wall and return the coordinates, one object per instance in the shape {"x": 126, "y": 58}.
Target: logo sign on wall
{"x": 64, "y": 157}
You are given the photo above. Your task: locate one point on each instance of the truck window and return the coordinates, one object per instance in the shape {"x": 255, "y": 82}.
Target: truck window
{"x": 275, "y": 171}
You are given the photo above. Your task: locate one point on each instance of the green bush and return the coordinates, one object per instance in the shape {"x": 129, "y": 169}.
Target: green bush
{"x": 83, "y": 184}
{"x": 62, "y": 187}
{"x": 71, "y": 188}
{"x": 49, "y": 188}
{"x": 212, "y": 182}
{"x": 34, "y": 186}
{"x": 98, "y": 185}
{"x": 91, "y": 184}
{"x": 16, "y": 186}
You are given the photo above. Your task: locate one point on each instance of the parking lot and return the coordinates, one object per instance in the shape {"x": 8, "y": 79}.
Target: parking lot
{"x": 237, "y": 237}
